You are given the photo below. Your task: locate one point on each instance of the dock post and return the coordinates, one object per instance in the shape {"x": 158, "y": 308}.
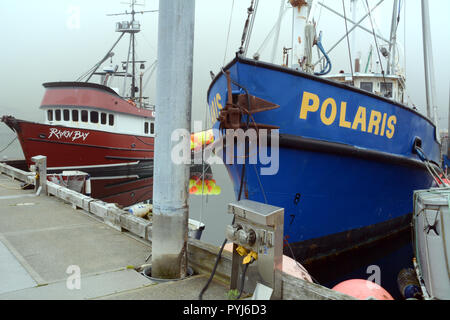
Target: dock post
{"x": 41, "y": 170}
{"x": 173, "y": 114}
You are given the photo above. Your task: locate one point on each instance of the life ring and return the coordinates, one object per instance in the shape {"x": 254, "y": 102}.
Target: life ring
{"x": 131, "y": 102}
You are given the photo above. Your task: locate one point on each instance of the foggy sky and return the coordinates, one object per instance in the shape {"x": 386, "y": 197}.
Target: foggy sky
{"x": 42, "y": 42}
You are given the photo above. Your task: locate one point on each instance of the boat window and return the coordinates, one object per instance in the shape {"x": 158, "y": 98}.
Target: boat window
{"x": 367, "y": 86}
{"x": 66, "y": 115}
{"x": 74, "y": 115}
{"x": 146, "y": 127}
{"x": 94, "y": 116}
{"x": 50, "y": 115}
{"x": 152, "y": 128}
{"x": 58, "y": 115}
{"x": 386, "y": 89}
{"x": 111, "y": 119}
{"x": 84, "y": 116}
{"x": 103, "y": 118}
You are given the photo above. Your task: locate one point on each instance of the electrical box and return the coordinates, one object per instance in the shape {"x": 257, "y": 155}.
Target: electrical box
{"x": 258, "y": 228}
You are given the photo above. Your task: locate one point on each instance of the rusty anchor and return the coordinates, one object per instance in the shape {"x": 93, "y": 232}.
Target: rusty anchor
{"x": 237, "y": 106}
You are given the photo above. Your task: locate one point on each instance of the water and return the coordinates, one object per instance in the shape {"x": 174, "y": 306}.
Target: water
{"x": 381, "y": 264}
{"x": 387, "y": 259}
{"x": 14, "y": 151}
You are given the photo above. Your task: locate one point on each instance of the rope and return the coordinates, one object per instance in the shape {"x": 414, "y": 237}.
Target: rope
{"x": 244, "y": 37}
{"x": 270, "y": 35}
{"x": 375, "y": 38}
{"x": 9, "y": 144}
{"x": 298, "y": 264}
{"x": 204, "y": 168}
{"x": 326, "y": 67}
{"x": 260, "y": 184}
{"x": 429, "y": 167}
{"x": 252, "y": 22}
{"x": 228, "y": 35}
{"x": 219, "y": 255}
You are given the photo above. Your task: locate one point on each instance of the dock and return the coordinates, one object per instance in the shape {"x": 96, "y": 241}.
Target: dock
{"x": 62, "y": 245}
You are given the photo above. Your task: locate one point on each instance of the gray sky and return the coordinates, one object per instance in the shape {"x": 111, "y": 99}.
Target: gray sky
{"x": 47, "y": 41}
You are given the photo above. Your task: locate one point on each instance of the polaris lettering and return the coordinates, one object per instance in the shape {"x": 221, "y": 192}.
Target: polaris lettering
{"x": 370, "y": 121}
{"x": 216, "y": 107}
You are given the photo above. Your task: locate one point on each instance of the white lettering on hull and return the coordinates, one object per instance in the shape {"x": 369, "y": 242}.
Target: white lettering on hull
{"x": 68, "y": 134}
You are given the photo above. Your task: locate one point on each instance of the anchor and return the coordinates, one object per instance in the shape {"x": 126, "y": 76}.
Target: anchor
{"x": 238, "y": 105}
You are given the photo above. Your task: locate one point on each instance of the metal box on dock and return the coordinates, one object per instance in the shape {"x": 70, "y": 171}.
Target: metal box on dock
{"x": 431, "y": 230}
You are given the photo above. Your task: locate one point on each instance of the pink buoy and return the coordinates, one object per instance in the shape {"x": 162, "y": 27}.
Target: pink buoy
{"x": 363, "y": 290}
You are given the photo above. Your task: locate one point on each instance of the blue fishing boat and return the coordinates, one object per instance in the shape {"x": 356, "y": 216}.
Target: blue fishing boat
{"x": 351, "y": 152}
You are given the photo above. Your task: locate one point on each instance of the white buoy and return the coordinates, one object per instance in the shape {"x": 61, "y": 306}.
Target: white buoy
{"x": 140, "y": 210}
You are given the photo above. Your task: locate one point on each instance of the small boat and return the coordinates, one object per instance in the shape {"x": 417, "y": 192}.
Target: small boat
{"x": 347, "y": 152}
{"x": 90, "y": 127}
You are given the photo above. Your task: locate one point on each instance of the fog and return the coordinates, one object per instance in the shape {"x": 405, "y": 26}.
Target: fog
{"x": 46, "y": 41}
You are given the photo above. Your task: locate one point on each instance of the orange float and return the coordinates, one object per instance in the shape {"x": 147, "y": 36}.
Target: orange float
{"x": 363, "y": 290}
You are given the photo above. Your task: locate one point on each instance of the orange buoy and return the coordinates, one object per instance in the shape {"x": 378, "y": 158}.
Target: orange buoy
{"x": 363, "y": 290}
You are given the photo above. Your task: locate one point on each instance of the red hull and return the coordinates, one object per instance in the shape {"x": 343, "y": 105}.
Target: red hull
{"x": 72, "y": 147}
{"x": 100, "y": 154}
{"x": 123, "y": 161}
{"x": 124, "y": 192}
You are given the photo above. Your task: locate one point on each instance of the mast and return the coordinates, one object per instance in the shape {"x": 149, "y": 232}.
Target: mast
{"x": 429, "y": 64}
{"x": 393, "y": 40}
{"x": 133, "y": 64}
{"x": 277, "y": 34}
{"x": 448, "y": 129}
{"x": 354, "y": 52}
{"x": 132, "y": 27}
{"x": 302, "y": 35}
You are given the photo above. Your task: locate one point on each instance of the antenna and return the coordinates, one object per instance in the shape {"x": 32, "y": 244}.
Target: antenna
{"x": 132, "y": 27}
{"x": 132, "y": 3}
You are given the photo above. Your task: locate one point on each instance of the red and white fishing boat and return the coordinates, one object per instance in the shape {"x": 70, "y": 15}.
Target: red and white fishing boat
{"x": 92, "y": 128}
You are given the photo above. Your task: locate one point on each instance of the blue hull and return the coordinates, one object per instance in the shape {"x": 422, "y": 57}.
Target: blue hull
{"x": 347, "y": 170}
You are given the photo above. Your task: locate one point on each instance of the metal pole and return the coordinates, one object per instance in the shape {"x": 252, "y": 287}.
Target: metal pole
{"x": 393, "y": 40}
{"x": 350, "y": 31}
{"x": 277, "y": 32}
{"x": 108, "y": 55}
{"x": 448, "y": 129}
{"x": 301, "y": 13}
{"x": 429, "y": 64}
{"x": 354, "y": 51}
{"x": 353, "y": 22}
{"x": 173, "y": 111}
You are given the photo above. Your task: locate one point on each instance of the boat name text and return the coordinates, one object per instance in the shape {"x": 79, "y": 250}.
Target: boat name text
{"x": 68, "y": 134}
{"x": 216, "y": 107}
{"x": 379, "y": 124}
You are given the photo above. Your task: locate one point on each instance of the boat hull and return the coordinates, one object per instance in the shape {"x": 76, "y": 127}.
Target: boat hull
{"x": 346, "y": 174}
{"x": 123, "y": 191}
{"x": 120, "y": 166}
{"x": 98, "y": 153}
